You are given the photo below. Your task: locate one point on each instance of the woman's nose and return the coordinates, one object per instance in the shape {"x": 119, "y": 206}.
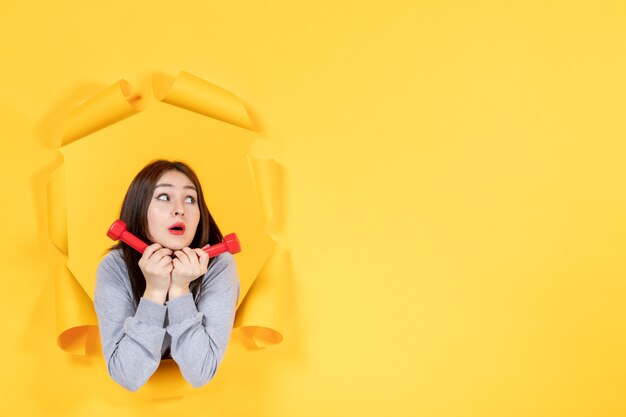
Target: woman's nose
{"x": 178, "y": 210}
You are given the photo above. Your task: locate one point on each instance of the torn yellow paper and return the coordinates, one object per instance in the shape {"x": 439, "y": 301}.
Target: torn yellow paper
{"x": 75, "y": 316}
{"x": 268, "y": 178}
{"x": 57, "y": 209}
{"x": 240, "y": 185}
{"x": 200, "y": 96}
{"x": 262, "y": 313}
{"x": 217, "y": 152}
{"x": 112, "y": 105}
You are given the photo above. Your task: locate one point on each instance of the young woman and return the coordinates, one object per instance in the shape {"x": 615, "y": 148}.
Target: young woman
{"x": 172, "y": 301}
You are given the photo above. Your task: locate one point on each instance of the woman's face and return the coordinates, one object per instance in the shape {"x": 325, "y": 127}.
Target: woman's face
{"x": 173, "y": 213}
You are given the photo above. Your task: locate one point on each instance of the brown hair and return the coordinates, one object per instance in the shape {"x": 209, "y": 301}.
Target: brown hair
{"x": 134, "y": 213}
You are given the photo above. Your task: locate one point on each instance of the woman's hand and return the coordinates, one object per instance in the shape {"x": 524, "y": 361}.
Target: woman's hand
{"x": 189, "y": 264}
{"x": 156, "y": 266}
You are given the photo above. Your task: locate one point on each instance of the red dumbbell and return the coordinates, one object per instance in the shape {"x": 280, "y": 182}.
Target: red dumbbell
{"x": 230, "y": 244}
{"x": 118, "y": 231}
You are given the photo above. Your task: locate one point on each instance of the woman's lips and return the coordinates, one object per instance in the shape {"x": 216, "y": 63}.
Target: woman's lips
{"x": 177, "y": 229}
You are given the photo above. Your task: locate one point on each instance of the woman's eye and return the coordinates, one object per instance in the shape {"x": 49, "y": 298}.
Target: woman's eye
{"x": 190, "y": 200}
{"x": 163, "y": 197}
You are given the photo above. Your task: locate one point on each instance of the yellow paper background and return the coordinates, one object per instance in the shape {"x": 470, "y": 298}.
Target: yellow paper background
{"x": 453, "y": 203}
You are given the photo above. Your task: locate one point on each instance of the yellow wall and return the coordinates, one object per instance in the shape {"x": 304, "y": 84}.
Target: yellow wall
{"x": 453, "y": 200}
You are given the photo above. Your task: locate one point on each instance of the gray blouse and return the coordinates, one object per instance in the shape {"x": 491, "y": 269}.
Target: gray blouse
{"x": 195, "y": 333}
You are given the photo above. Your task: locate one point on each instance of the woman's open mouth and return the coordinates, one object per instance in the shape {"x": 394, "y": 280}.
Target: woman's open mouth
{"x": 177, "y": 229}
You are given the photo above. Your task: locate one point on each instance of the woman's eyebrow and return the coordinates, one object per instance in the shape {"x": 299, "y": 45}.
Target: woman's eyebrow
{"x": 191, "y": 187}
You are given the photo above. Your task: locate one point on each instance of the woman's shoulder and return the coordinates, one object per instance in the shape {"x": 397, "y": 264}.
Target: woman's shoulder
{"x": 224, "y": 259}
{"x": 112, "y": 283}
{"x": 222, "y": 262}
{"x": 112, "y": 264}
{"x": 222, "y": 268}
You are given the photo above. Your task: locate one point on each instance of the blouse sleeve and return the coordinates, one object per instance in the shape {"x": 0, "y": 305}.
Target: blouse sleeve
{"x": 200, "y": 333}
{"x": 131, "y": 337}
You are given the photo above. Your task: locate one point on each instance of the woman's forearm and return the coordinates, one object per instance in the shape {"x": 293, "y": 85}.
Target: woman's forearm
{"x": 176, "y": 291}
{"x": 156, "y": 296}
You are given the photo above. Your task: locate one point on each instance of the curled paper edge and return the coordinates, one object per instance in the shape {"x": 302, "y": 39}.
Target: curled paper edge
{"x": 75, "y": 315}
{"x": 260, "y": 316}
{"x": 200, "y": 96}
{"x": 115, "y": 103}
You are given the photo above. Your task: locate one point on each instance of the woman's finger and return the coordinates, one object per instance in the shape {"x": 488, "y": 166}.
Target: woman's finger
{"x": 192, "y": 255}
{"x": 203, "y": 257}
{"x": 158, "y": 255}
{"x": 150, "y": 250}
{"x": 190, "y": 252}
{"x": 164, "y": 261}
{"x": 177, "y": 263}
{"x": 182, "y": 256}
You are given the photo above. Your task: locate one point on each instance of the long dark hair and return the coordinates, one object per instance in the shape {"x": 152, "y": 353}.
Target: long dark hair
{"x": 134, "y": 213}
